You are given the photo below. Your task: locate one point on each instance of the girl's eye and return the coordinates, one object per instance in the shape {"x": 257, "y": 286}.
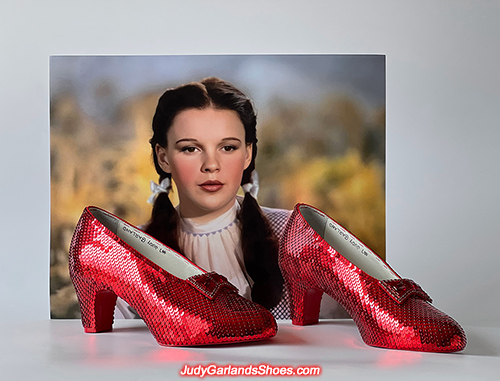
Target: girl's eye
{"x": 228, "y": 148}
{"x": 188, "y": 149}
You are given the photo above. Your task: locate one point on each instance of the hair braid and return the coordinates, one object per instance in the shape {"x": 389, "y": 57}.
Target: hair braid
{"x": 259, "y": 243}
{"x": 260, "y": 252}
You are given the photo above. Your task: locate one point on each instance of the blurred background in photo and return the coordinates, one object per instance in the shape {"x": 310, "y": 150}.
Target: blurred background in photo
{"x": 320, "y": 125}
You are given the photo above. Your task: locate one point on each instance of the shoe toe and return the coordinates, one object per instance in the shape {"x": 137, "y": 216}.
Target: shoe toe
{"x": 433, "y": 331}
{"x": 247, "y": 321}
{"x": 443, "y": 335}
{"x": 416, "y": 326}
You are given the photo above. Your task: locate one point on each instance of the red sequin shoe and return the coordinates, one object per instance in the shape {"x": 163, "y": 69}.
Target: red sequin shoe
{"x": 180, "y": 303}
{"x": 318, "y": 255}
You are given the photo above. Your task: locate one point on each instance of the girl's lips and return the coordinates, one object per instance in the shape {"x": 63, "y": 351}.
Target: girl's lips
{"x": 211, "y": 186}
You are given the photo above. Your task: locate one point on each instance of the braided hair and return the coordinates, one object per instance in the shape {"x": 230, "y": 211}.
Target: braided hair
{"x": 258, "y": 241}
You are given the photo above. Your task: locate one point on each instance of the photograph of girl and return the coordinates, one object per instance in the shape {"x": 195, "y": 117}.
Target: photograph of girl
{"x": 221, "y": 178}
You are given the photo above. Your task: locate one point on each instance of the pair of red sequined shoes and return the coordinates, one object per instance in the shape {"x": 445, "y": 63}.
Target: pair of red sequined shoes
{"x": 184, "y": 305}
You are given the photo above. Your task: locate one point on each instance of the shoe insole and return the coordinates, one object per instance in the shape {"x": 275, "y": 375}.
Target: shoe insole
{"x": 347, "y": 245}
{"x": 154, "y": 250}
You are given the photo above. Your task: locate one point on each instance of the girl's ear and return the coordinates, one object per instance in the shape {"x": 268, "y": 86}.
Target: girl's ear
{"x": 161, "y": 155}
{"x": 248, "y": 155}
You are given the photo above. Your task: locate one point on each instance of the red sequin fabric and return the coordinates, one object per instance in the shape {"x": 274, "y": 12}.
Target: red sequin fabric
{"x": 389, "y": 313}
{"x": 202, "y": 309}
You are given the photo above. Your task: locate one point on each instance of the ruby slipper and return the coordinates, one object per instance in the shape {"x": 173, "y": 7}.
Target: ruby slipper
{"x": 180, "y": 303}
{"x": 318, "y": 255}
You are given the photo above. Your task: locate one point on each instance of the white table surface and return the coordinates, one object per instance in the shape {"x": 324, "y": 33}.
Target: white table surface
{"x": 60, "y": 350}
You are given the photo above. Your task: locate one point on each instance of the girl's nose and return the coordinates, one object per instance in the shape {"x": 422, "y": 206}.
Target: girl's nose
{"x": 210, "y": 163}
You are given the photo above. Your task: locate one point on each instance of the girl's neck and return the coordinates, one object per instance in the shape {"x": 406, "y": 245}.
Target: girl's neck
{"x": 204, "y": 218}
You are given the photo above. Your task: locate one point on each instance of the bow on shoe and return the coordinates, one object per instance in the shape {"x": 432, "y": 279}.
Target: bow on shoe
{"x": 402, "y": 289}
{"x": 210, "y": 283}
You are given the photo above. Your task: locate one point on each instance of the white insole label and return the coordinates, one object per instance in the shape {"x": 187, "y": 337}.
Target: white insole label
{"x": 133, "y": 236}
{"x": 355, "y": 243}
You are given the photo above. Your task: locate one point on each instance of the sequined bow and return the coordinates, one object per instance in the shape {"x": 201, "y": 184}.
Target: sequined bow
{"x": 402, "y": 289}
{"x": 210, "y": 283}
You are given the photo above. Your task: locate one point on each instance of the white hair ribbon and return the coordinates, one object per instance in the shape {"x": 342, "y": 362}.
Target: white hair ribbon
{"x": 164, "y": 186}
{"x": 253, "y": 186}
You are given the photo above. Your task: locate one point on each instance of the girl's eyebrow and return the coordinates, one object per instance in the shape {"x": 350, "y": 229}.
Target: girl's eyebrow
{"x": 186, "y": 140}
{"x": 231, "y": 138}
{"x": 192, "y": 140}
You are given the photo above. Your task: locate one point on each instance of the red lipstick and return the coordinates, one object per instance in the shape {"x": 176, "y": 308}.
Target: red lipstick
{"x": 211, "y": 186}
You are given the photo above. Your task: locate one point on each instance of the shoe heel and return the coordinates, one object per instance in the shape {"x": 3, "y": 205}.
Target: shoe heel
{"x": 305, "y": 303}
{"x": 97, "y": 306}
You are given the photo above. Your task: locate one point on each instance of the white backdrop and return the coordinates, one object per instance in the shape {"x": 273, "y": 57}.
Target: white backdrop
{"x": 443, "y": 97}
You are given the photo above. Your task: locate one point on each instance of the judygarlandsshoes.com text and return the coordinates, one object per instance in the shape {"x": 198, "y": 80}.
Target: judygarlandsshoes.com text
{"x": 248, "y": 370}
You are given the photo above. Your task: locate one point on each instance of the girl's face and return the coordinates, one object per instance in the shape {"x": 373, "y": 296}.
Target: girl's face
{"x": 206, "y": 155}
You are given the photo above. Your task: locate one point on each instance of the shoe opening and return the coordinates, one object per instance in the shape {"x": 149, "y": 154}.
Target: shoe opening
{"x": 347, "y": 244}
{"x": 154, "y": 250}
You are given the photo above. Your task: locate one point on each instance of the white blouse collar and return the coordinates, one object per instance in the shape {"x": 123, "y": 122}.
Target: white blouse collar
{"x": 217, "y": 225}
